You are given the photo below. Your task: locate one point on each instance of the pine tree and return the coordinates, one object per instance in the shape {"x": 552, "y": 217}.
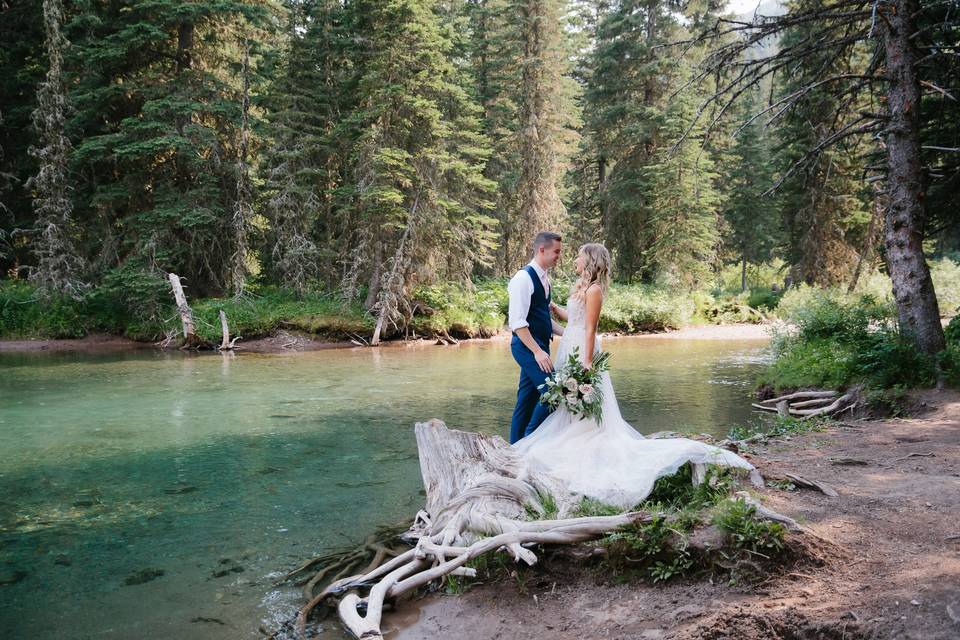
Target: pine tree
{"x": 520, "y": 55}
{"x": 681, "y": 205}
{"x": 161, "y": 157}
{"x": 631, "y": 120}
{"x": 544, "y": 104}
{"x": 751, "y": 214}
{"x": 59, "y": 266}
{"x": 305, "y": 165}
{"x": 22, "y": 70}
{"x": 825, "y": 203}
{"x": 418, "y": 162}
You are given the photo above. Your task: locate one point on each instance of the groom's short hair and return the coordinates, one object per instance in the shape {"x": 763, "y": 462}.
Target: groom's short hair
{"x": 545, "y": 239}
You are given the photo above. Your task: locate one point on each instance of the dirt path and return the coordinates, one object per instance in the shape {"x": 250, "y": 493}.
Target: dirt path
{"x": 897, "y": 519}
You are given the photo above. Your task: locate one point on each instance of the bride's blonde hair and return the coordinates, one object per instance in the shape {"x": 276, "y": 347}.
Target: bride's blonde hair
{"x": 596, "y": 270}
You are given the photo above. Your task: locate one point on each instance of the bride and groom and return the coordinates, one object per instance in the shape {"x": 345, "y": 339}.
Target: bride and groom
{"x": 607, "y": 459}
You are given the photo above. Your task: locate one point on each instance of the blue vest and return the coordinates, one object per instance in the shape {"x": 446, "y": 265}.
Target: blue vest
{"x": 538, "y": 318}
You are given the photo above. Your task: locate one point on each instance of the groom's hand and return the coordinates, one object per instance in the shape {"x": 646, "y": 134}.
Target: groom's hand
{"x": 543, "y": 361}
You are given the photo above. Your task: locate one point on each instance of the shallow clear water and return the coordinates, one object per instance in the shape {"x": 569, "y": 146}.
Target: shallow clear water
{"x": 223, "y": 471}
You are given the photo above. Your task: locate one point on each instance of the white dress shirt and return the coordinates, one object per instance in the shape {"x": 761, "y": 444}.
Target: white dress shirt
{"x": 521, "y": 290}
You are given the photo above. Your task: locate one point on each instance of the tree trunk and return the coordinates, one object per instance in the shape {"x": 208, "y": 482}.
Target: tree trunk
{"x": 917, "y": 308}
{"x": 190, "y": 337}
{"x": 743, "y": 274}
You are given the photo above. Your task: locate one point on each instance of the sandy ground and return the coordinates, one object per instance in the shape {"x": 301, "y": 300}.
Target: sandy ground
{"x": 288, "y": 342}
{"x": 895, "y": 574}
{"x": 88, "y": 344}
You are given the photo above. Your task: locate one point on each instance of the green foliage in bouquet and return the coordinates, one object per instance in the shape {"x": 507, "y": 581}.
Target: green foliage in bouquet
{"x": 575, "y": 387}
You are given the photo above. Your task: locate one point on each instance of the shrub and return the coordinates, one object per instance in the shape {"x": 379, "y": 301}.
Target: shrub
{"x": 952, "y": 331}
{"x": 462, "y": 311}
{"x": 840, "y": 340}
{"x": 739, "y": 520}
{"x": 636, "y": 308}
{"x": 946, "y": 282}
{"x": 24, "y": 314}
{"x": 723, "y": 308}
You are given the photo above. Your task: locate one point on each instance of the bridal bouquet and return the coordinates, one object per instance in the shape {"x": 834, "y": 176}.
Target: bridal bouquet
{"x": 575, "y": 387}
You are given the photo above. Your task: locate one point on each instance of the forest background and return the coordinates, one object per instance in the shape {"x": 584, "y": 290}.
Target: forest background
{"x": 339, "y": 166}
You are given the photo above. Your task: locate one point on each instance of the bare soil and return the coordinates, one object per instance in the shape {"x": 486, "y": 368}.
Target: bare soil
{"x": 294, "y": 341}
{"x": 896, "y": 573}
{"x": 89, "y": 344}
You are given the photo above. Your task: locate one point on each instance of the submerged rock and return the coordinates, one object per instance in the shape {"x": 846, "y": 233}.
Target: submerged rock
{"x": 144, "y": 575}
{"x": 13, "y": 576}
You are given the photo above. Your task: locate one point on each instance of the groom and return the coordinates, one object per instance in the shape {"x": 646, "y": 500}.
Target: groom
{"x": 529, "y": 319}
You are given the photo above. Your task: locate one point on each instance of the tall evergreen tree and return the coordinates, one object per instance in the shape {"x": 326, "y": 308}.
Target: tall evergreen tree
{"x": 418, "y": 162}
{"x": 544, "y": 103}
{"x": 160, "y": 157}
{"x": 751, "y": 214}
{"x": 22, "y": 70}
{"x": 59, "y": 267}
{"x": 520, "y": 56}
{"x": 825, "y": 203}
{"x": 681, "y": 205}
{"x": 305, "y": 166}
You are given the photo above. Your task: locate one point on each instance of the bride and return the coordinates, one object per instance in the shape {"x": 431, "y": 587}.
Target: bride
{"x": 609, "y": 461}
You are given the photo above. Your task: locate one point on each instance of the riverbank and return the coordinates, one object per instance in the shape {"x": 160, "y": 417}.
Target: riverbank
{"x": 897, "y": 573}
{"x": 296, "y": 341}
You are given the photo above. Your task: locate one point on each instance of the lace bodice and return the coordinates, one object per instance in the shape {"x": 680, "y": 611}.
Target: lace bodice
{"x": 576, "y": 314}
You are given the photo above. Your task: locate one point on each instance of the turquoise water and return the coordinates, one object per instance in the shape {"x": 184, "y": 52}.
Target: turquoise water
{"x": 158, "y": 495}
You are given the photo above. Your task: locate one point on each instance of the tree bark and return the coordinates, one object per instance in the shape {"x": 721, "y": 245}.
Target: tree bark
{"x": 919, "y": 314}
{"x": 743, "y": 274}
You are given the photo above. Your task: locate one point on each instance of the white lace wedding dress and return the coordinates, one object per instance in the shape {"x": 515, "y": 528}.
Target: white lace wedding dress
{"x": 609, "y": 461}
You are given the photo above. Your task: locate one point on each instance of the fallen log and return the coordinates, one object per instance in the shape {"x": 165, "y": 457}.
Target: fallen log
{"x": 809, "y": 404}
{"x": 834, "y": 406}
{"x": 822, "y": 487}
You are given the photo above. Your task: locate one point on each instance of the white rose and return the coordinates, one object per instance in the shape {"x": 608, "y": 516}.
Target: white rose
{"x": 570, "y": 384}
{"x": 586, "y": 389}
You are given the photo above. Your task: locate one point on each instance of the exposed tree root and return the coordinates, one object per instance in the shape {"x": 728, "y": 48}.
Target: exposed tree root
{"x": 811, "y": 404}
{"x": 480, "y": 498}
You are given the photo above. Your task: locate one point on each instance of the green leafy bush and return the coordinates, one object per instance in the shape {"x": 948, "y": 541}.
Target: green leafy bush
{"x": 841, "y": 340}
{"x": 725, "y": 308}
{"x": 952, "y": 331}
{"x": 637, "y": 308}
{"x": 739, "y": 520}
{"x": 23, "y": 314}
{"x": 467, "y": 312}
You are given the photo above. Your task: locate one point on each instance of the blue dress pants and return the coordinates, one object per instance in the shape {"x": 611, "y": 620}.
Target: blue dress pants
{"x": 529, "y": 413}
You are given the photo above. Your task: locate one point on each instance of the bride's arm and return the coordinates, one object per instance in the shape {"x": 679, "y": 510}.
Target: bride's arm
{"x": 594, "y": 300}
{"x": 557, "y": 328}
{"x": 558, "y": 311}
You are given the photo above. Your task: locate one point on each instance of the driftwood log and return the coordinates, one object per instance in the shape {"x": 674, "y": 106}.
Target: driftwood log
{"x": 480, "y": 498}
{"x": 810, "y": 404}
{"x": 226, "y": 344}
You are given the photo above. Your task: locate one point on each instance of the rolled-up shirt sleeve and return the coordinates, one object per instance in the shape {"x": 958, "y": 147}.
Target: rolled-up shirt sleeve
{"x": 520, "y": 290}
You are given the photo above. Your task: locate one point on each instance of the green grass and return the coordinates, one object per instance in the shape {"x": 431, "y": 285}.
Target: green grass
{"x": 774, "y": 425}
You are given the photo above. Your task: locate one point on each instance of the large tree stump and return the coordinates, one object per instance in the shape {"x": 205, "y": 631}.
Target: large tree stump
{"x": 479, "y": 495}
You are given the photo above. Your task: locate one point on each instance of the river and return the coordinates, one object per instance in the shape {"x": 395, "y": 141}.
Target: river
{"x": 158, "y": 495}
